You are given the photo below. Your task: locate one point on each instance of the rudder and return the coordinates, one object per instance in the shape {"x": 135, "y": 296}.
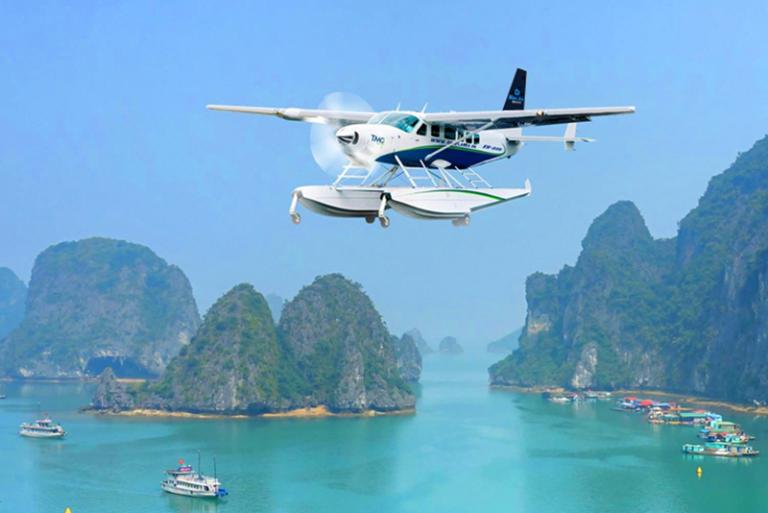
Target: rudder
{"x": 516, "y": 96}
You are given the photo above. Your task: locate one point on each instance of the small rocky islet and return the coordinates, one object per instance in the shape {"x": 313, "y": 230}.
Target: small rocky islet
{"x": 450, "y": 346}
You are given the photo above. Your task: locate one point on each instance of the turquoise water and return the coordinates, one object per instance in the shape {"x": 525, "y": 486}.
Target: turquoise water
{"x": 468, "y": 449}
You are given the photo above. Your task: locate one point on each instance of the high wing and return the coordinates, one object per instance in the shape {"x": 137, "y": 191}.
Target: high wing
{"x": 334, "y": 117}
{"x": 499, "y": 119}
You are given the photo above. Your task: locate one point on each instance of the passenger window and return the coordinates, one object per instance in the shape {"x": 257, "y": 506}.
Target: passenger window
{"x": 450, "y": 132}
{"x": 422, "y": 129}
{"x": 435, "y": 131}
{"x": 476, "y": 139}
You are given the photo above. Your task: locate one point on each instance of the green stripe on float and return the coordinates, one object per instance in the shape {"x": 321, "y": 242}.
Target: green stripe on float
{"x": 465, "y": 191}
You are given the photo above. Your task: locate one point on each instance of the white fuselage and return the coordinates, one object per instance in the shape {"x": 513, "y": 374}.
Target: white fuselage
{"x": 409, "y": 141}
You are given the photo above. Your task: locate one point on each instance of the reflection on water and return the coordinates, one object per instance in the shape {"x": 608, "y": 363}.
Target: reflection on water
{"x": 194, "y": 505}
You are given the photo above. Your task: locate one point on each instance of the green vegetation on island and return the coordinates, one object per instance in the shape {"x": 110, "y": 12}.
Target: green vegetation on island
{"x": 330, "y": 349}
{"x": 100, "y": 302}
{"x": 685, "y": 314}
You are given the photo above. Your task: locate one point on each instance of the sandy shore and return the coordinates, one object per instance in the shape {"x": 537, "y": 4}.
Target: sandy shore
{"x": 300, "y": 413}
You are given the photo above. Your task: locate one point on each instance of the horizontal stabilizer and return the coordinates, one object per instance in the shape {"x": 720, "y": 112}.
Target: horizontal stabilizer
{"x": 569, "y": 138}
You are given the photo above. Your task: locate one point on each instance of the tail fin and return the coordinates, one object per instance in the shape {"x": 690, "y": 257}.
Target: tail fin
{"x": 516, "y": 96}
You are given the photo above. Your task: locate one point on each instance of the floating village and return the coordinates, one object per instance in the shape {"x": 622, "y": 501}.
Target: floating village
{"x": 716, "y": 436}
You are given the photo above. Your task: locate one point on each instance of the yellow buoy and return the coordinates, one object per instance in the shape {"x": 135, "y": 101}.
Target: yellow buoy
{"x": 698, "y": 471}
{"x": 67, "y": 510}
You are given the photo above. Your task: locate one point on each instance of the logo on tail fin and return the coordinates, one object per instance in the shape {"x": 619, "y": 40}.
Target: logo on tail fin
{"x": 516, "y": 96}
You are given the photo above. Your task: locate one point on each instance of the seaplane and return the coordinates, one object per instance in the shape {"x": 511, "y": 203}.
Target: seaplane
{"x": 421, "y": 164}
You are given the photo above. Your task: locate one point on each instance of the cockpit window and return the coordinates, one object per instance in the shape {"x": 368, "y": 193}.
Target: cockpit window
{"x": 405, "y": 122}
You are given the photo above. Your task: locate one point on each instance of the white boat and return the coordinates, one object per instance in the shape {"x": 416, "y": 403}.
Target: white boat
{"x": 185, "y": 481}
{"x": 42, "y": 428}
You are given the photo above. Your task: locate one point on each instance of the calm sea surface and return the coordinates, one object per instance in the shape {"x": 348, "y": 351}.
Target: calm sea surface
{"x": 468, "y": 449}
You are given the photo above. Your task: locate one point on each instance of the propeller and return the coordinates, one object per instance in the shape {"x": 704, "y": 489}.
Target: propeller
{"x": 326, "y": 150}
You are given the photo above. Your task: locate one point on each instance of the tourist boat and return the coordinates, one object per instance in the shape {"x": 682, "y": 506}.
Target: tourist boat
{"x": 42, "y": 428}
{"x": 183, "y": 480}
{"x": 721, "y": 449}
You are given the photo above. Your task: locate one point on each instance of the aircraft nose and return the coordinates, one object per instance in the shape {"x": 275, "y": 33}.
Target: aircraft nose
{"x": 346, "y": 136}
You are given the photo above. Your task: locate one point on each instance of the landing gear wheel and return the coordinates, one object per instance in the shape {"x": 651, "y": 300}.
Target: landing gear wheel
{"x": 384, "y": 221}
{"x": 296, "y": 218}
{"x": 370, "y": 219}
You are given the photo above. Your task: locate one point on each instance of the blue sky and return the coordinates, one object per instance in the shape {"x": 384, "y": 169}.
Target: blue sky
{"x": 103, "y": 131}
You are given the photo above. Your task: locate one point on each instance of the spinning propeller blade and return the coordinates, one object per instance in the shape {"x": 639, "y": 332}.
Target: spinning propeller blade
{"x": 326, "y": 150}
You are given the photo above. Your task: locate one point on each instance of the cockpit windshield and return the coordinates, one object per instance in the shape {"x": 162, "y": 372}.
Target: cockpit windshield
{"x": 405, "y": 122}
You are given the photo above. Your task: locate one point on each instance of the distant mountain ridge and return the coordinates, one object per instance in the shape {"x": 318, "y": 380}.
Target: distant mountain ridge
{"x": 505, "y": 344}
{"x": 685, "y": 314}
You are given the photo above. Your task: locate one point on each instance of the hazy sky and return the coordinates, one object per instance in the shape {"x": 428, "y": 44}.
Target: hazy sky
{"x": 103, "y": 131}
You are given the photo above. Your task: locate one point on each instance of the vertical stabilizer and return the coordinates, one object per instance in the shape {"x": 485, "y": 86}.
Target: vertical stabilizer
{"x": 516, "y": 96}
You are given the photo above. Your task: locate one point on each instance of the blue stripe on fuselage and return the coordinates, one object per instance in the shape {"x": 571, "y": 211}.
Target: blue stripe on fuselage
{"x": 456, "y": 156}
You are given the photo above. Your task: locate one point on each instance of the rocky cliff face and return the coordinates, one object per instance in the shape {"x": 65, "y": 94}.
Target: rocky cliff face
{"x": 449, "y": 345}
{"x": 342, "y": 348}
{"x": 408, "y": 357}
{"x": 687, "y": 314}
{"x": 331, "y": 349}
{"x": 110, "y": 394}
{"x": 234, "y": 364}
{"x": 13, "y": 295}
{"x": 96, "y": 303}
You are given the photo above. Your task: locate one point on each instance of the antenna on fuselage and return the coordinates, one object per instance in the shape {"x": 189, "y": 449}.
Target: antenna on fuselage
{"x": 424, "y": 108}
{"x": 397, "y": 109}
